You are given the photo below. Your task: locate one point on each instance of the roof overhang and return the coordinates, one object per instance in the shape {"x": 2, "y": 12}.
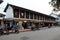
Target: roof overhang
{"x": 27, "y": 9}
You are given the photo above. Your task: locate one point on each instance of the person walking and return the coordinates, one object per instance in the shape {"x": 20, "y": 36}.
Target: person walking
{"x": 33, "y": 27}
{"x": 49, "y": 26}
{"x": 15, "y": 27}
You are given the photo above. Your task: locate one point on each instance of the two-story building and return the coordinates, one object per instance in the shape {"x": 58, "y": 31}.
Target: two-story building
{"x": 27, "y": 16}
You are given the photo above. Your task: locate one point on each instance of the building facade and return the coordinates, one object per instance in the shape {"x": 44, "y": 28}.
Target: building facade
{"x": 27, "y": 17}
{"x": 57, "y": 16}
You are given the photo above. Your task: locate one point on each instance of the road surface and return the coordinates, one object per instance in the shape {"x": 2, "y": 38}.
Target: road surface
{"x": 46, "y": 34}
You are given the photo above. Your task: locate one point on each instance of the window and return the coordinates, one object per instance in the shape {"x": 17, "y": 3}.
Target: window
{"x": 22, "y": 14}
{"x": 16, "y": 13}
{"x": 38, "y": 17}
{"x": 0, "y": 22}
{"x": 34, "y": 16}
{"x": 27, "y": 14}
{"x": 41, "y": 17}
{"x": 31, "y": 15}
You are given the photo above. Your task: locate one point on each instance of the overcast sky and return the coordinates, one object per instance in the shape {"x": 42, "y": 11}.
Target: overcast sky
{"x": 36, "y": 5}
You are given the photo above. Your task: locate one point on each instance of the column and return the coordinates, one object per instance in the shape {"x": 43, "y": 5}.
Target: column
{"x": 29, "y": 15}
{"x": 33, "y": 16}
{"x": 25, "y": 15}
{"x": 2, "y": 24}
{"x": 19, "y": 13}
{"x": 39, "y": 17}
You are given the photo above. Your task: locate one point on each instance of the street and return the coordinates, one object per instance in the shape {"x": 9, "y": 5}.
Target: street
{"x": 46, "y": 34}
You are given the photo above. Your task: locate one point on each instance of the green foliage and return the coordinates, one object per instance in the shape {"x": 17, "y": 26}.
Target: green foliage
{"x": 55, "y": 4}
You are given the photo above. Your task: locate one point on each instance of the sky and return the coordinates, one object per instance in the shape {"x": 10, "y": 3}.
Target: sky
{"x": 41, "y": 6}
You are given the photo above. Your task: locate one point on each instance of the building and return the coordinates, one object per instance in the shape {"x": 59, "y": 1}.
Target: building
{"x": 57, "y": 16}
{"x": 27, "y": 17}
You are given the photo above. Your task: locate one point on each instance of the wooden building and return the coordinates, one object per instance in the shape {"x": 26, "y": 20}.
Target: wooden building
{"x": 20, "y": 14}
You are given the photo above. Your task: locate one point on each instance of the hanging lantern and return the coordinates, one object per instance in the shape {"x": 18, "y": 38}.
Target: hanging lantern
{"x": 1, "y": 1}
{"x": 22, "y": 14}
{"x": 16, "y": 13}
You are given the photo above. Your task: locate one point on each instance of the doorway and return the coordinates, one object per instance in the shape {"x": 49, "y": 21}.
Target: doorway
{"x": 25, "y": 25}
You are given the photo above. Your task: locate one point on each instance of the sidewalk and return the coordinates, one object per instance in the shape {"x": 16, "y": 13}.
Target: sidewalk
{"x": 43, "y": 28}
{"x": 25, "y": 30}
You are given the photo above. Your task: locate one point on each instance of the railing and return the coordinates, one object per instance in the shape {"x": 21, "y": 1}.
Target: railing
{"x": 34, "y": 20}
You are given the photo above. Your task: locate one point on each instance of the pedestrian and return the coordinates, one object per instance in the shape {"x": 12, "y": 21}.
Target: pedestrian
{"x": 33, "y": 27}
{"x": 20, "y": 25}
{"x": 15, "y": 27}
{"x": 49, "y": 26}
{"x": 37, "y": 27}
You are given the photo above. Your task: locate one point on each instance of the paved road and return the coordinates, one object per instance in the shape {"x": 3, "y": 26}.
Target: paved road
{"x": 46, "y": 34}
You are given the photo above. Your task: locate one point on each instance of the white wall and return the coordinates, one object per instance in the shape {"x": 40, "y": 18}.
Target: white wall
{"x": 9, "y": 12}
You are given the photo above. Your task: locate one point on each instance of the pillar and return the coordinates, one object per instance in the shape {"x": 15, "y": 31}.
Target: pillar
{"x": 33, "y": 16}
{"x": 25, "y": 15}
{"x": 29, "y": 15}
{"x": 2, "y": 24}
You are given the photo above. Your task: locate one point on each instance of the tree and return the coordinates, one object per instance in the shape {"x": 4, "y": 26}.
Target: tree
{"x": 55, "y": 4}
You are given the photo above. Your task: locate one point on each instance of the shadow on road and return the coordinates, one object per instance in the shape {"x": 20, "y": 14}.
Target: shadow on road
{"x": 24, "y": 38}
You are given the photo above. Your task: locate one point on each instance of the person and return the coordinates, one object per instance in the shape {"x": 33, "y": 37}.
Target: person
{"x": 37, "y": 27}
{"x": 15, "y": 27}
{"x": 49, "y": 26}
{"x": 20, "y": 25}
{"x": 8, "y": 28}
{"x": 33, "y": 27}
